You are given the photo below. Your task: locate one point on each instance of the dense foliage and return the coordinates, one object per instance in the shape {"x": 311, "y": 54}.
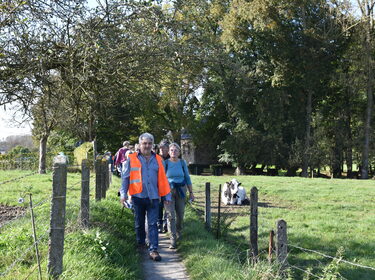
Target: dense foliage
{"x": 287, "y": 84}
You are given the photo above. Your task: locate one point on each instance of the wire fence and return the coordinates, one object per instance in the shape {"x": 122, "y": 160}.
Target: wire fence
{"x": 331, "y": 257}
{"x": 229, "y": 214}
{"x": 72, "y": 209}
{"x": 23, "y": 254}
{"x": 17, "y": 179}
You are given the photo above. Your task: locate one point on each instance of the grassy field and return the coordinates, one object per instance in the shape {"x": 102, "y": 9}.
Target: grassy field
{"x": 322, "y": 214}
{"x": 105, "y": 251}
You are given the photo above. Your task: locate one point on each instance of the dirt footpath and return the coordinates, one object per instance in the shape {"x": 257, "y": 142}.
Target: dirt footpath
{"x": 170, "y": 267}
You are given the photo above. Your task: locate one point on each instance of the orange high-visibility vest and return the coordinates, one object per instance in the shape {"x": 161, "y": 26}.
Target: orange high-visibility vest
{"x": 135, "y": 180}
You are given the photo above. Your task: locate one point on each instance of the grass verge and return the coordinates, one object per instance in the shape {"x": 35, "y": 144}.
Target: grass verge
{"x": 104, "y": 251}
{"x": 325, "y": 215}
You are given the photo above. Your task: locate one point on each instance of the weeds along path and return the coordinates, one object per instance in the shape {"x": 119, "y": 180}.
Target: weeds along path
{"x": 170, "y": 266}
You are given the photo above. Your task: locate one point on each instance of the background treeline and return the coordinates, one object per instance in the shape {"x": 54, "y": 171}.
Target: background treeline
{"x": 281, "y": 83}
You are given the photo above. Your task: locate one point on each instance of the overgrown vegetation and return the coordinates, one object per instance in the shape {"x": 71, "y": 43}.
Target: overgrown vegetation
{"x": 104, "y": 251}
{"x": 272, "y": 82}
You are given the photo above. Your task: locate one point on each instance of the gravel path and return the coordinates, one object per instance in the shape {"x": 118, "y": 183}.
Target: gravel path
{"x": 170, "y": 267}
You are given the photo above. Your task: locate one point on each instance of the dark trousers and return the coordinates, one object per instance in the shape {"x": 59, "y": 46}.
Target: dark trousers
{"x": 143, "y": 207}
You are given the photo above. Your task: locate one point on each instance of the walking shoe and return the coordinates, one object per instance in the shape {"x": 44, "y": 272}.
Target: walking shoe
{"x": 154, "y": 255}
{"x": 173, "y": 244}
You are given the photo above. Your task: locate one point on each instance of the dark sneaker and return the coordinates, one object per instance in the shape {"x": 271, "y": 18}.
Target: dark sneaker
{"x": 172, "y": 246}
{"x": 154, "y": 255}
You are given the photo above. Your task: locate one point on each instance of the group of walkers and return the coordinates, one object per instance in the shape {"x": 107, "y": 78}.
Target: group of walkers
{"x": 154, "y": 177}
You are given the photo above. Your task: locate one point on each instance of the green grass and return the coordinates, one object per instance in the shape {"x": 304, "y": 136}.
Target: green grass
{"x": 104, "y": 251}
{"x": 210, "y": 259}
{"x": 322, "y": 214}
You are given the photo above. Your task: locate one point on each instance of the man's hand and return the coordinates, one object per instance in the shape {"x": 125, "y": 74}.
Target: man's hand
{"x": 191, "y": 197}
{"x": 167, "y": 202}
{"x": 123, "y": 199}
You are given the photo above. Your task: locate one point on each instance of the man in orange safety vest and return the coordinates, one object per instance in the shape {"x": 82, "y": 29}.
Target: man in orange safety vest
{"x": 145, "y": 181}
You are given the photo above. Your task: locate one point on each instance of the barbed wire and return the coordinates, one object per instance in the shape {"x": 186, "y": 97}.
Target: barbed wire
{"x": 18, "y": 178}
{"x": 305, "y": 271}
{"x": 10, "y": 267}
{"x": 42, "y": 202}
{"x": 333, "y": 258}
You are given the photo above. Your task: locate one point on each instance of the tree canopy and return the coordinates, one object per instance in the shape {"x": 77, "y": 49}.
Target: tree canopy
{"x": 287, "y": 84}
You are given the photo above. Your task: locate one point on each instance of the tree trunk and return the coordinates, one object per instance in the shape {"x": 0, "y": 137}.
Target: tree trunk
{"x": 369, "y": 90}
{"x": 42, "y": 154}
{"x": 291, "y": 171}
{"x": 305, "y": 159}
{"x": 336, "y": 164}
{"x": 349, "y": 144}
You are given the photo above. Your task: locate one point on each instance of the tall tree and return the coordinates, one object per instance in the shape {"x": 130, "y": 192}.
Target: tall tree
{"x": 290, "y": 47}
{"x": 367, "y": 13}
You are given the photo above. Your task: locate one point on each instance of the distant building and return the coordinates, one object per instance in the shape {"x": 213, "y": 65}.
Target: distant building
{"x": 193, "y": 154}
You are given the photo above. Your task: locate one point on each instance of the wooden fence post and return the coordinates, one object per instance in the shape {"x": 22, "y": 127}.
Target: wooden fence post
{"x": 281, "y": 242}
{"x": 254, "y": 223}
{"x": 207, "y": 213}
{"x": 104, "y": 170}
{"x": 57, "y": 223}
{"x": 271, "y": 246}
{"x": 85, "y": 195}
{"x": 107, "y": 180}
{"x": 218, "y": 213}
{"x": 98, "y": 179}
{"x": 35, "y": 239}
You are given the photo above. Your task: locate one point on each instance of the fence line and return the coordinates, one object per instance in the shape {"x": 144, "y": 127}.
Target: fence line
{"x": 281, "y": 251}
{"x": 18, "y": 178}
{"x": 333, "y": 258}
{"x": 41, "y": 202}
{"x": 59, "y": 172}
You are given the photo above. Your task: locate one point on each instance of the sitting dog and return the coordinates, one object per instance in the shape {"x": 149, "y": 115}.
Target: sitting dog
{"x": 233, "y": 194}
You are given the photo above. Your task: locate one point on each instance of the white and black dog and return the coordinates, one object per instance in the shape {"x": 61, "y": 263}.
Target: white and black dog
{"x": 233, "y": 194}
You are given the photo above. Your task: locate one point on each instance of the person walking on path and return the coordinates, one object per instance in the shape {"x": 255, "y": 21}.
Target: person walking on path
{"x": 162, "y": 221}
{"x": 120, "y": 156}
{"x": 145, "y": 180}
{"x": 179, "y": 180}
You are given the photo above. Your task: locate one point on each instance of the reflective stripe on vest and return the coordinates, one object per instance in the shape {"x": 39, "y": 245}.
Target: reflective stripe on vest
{"x": 135, "y": 184}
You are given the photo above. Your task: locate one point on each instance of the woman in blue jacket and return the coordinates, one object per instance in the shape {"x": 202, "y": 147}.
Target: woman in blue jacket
{"x": 179, "y": 181}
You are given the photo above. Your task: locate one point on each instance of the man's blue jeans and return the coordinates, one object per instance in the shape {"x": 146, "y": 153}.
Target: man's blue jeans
{"x": 143, "y": 207}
